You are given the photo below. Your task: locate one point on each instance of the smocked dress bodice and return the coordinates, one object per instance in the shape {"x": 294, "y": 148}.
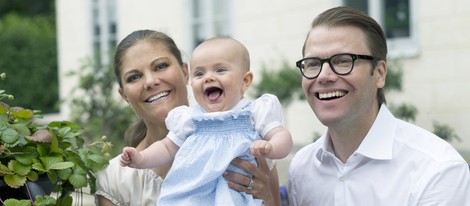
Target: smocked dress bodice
{"x": 208, "y": 143}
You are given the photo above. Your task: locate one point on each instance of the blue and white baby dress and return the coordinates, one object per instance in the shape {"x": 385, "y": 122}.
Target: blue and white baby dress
{"x": 208, "y": 143}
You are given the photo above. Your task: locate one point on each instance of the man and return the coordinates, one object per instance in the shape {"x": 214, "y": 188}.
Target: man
{"x": 366, "y": 156}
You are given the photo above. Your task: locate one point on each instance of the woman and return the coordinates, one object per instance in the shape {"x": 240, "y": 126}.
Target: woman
{"x": 152, "y": 79}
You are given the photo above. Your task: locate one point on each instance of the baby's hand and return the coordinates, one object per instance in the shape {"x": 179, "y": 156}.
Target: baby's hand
{"x": 261, "y": 148}
{"x": 129, "y": 156}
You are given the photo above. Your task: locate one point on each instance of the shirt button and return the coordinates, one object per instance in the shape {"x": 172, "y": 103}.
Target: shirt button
{"x": 342, "y": 178}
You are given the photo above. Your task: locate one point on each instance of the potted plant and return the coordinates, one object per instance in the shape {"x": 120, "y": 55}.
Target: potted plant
{"x": 38, "y": 158}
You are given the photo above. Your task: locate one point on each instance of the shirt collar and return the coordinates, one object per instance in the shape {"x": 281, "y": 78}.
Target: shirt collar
{"x": 378, "y": 143}
{"x": 240, "y": 105}
{"x": 325, "y": 146}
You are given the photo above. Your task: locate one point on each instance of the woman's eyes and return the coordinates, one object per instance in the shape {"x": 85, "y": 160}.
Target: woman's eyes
{"x": 132, "y": 78}
{"x": 161, "y": 66}
{"x": 137, "y": 76}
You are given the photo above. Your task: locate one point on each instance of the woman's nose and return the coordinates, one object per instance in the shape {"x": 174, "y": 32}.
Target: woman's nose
{"x": 151, "y": 81}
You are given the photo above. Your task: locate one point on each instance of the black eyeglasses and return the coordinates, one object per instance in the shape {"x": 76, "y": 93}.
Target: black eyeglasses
{"x": 341, "y": 64}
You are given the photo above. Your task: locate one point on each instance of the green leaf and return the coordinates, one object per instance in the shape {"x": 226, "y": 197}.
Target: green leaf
{"x": 3, "y": 119}
{"x": 64, "y": 130}
{"x": 65, "y": 200}
{"x": 79, "y": 170}
{"x": 39, "y": 167}
{"x": 64, "y": 174}
{"x": 33, "y": 176}
{"x": 43, "y": 201}
{"x": 50, "y": 160}
{"x": 14, "y": 181}
{"x": 19, "y": 168}
{"x": 21, "y": 113}
{"x": 61, "y": 165}
{"x": 78, "y": 181}
{"x": 70, "y": 138}
{"x": 97, "y": 159}
{"x": 21, "y": 141}
{"x": 42, "y": 149}
{"x": 9, "y": 136}
{"x": 3, "y": 106}
{"x": 4, "y": 169}
{"x": 52, "y": 175}
{"x": 21, "y": 128}
{"x": 15, "y": 202}
{"x": 55, "y": 146}
{"x": 26, "y": 159}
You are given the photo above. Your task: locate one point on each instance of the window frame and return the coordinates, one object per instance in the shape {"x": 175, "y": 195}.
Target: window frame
{"x": 208, "y": 20}
{"x": 400, "y": 46}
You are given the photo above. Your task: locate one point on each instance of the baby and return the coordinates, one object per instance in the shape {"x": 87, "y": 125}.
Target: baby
{"x": 205, "y": 138}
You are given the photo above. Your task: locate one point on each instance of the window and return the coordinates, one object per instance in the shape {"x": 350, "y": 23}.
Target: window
{"x": 397, "y": 18}
{"x": 104, "y": 29}
{"x": 209, "y": 18}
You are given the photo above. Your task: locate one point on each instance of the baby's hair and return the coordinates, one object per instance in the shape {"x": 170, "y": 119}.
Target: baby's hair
{"x": 242, "y": 48}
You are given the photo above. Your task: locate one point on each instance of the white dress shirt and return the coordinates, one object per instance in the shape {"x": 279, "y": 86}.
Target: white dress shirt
{"x": 397, "y": 163}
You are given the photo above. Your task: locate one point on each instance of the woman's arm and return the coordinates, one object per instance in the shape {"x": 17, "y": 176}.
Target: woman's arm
{"x": 274, "y": 180}
{"x": 265, "y": 182}
{"x": 103, "y": 201}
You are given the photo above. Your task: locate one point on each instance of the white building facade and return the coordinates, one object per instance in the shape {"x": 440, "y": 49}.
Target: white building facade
{"x": 432, "y": 45}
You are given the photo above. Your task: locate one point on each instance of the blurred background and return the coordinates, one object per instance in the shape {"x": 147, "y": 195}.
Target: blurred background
{"x": 57, "y": 56}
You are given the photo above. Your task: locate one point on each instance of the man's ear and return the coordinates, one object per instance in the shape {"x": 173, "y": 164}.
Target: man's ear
{"x": 247, "y": 79}
{"x": 123, "y": 95}
{"x": 381, "y": 69}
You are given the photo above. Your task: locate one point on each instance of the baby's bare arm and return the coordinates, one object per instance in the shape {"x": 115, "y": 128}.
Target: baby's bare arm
{"x": 157, "y": 154}
{"x": 277, "y": 144}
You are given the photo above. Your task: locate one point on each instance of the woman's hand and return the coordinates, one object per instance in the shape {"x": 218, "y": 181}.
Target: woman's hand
{"x": 265, "y": 183}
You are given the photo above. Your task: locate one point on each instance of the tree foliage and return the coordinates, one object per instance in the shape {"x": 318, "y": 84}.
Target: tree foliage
{"x": 394, "y": 76}
{"x": 28, "y": 8}
{"x": 284, "y": 82}
{"x": 445, "y": 132}
{"x": 29, "y": 56}
{"x": 95, "y": 105}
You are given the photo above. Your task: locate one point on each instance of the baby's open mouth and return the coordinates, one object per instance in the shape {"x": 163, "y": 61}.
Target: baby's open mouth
{"x": 213, "y": 93}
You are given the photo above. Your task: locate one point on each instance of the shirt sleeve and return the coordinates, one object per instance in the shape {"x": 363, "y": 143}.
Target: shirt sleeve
{"x": 179, "y": 124}
{"x": 448, "y": 185}
{"x": 267, "y": 113}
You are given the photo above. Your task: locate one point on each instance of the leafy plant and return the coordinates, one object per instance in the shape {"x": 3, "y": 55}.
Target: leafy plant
{"x": 29, "y": 149}
{"x": 284, "y": 82}
{"x": 404, "y": 111}
{"x": 445, "y": 132}
{"x": 29, "y": 51}
{"x": 98, "y": 105}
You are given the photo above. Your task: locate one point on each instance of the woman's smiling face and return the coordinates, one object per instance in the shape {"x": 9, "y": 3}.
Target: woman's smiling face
{"x": 153, "y": 81}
